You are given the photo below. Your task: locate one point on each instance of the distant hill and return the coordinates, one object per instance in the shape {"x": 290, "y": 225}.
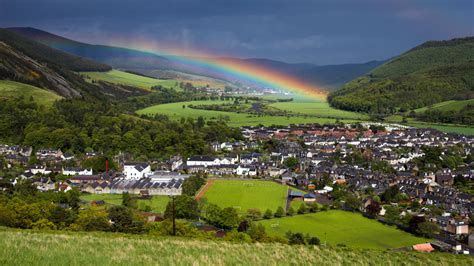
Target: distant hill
{"x": 328, "y": 77}
{"x": 430, "y": 73}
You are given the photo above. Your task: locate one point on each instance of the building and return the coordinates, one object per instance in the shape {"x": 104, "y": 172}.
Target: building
{"x": 76, "y": 171}
{"x": 203, "y": 160}
{"x": 136, "y": 171}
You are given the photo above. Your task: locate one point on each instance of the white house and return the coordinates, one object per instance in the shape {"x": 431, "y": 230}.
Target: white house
{"x": 76, "y": 171}
{"x": 38, "y": 169}
{"x": 136, "y": 170}
{"x": 203, "y": 160}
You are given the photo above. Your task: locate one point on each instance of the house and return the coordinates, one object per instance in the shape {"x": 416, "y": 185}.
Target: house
{"x": 136, "y": 170}
{"x": 202, "y": 160}
{"x": 471, "y": 241}
{"x": 310, "y": 197}
{"x": 39, "y": 169}
{"x": 294, "y": 194}
{"x": 76, "y": 171}
{"x": 458, "y": 227}
{"x": 175, "y": 162}
{"x": 426, "y": 247}
{"x": 445, "y": 177}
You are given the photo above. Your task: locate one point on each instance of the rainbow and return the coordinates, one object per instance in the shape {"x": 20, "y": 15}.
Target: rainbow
{"x": 224, "y": 67}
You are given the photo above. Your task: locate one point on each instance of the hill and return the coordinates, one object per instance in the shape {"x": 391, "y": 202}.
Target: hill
{"x": 433, "y": 72}
{"x": 328, "y": 77}
{"x": 16, "y": 89}
{"x": 29, "y": 62}
{"x": 25, "y": 247}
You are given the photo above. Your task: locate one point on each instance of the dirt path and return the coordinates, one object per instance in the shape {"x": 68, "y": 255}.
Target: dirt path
{"x": 205, "y": 188}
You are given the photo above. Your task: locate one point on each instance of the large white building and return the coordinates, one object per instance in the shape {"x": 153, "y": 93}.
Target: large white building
{"x": 76, "y": 171}
{"x": 136, "y": 171}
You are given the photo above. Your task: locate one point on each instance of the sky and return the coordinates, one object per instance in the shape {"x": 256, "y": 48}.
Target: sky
{"x": 313, "y": 31}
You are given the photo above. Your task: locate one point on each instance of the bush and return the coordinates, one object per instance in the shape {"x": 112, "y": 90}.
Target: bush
{"x": 279, "y": 212}
{"x": 268, "y": 214}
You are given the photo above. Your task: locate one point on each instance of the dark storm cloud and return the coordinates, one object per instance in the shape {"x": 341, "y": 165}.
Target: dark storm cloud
{"x": 331, "y": 31}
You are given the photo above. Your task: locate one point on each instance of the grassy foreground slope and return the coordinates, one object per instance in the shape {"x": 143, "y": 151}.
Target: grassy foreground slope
{"x": 16, "y": 89}
{"x": 22, "y": 247}
{"x": 341, "y": 227}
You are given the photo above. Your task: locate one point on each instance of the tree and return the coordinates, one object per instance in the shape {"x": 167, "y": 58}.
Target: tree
{"x": 291, "y": 163}
{"x": 92, "y": 220}
{"x": 373, "y": 209}
{"x": 415, "y": 221}
{"x": 254, "y": 214}
{"x": 257, "y": 232}
{"x": 268, "y": 214}
{"x": 192, "y": 184}
{"x": 295, "y": 238}
{"x": 313, "y": 207}
{"x": 280, "y": 212}
{"x": 314, "y": 241}
{"x": 123, "y": 220}
{"x": 392, "y": 213}
{"x": 352, "y": 202}
{"x": 291, "y": 211}
{"x": 428, "y": 228}
{"x": 128, "y": 200}
{"x": 302, "y": 209}
{"x": 186, "y": 207}
{"x": 230, "y": 218}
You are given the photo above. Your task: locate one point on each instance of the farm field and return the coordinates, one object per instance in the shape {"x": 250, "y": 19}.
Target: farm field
{"x": 16, "y": 89}
{"x": 125, "y": 78}
{"x": 341, "y": 227}
{"x": 247, "y": 194}
{"x": 448, "y": 106}
{"x": 28, "y": 247}
{"x": 175, "y": 111}
{"x": 460, "y": 129}
{"x": 317, "y": 108}
{"x": 157, "y": 203}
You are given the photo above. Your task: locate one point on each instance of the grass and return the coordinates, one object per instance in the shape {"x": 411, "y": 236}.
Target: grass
{"x": 447, "y": 106}
{"x": 27, "y": 247}
{"x": 247, "y": 194}
{"x": 319, "y": 108}
{"x": 125, "y": 78}
{"x": 175, "y": 111}
{"x": 16, "y": 89}
{"x": 157, "y": 203}
{"x": 341, "y": 227}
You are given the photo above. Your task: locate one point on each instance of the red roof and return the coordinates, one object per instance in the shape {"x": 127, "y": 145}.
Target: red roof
{"x": 426, "y": 247}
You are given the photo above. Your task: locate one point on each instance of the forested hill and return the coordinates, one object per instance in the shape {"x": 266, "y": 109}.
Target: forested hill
{"x": 433, "y": 72}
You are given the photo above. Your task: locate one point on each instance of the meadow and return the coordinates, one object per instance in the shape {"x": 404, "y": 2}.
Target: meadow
{"x": 460, "y": 129}
{"x": 16, "y": 89}
{"x": 247, "y": 194}
{"x": 447, "y": 106}
{"x": 175, "y": 111}
{"x": 125, "y": 78}
{"x": 27, "y": 247}
{"x": 157, "y": 203}
{"x": 340, "y": 227}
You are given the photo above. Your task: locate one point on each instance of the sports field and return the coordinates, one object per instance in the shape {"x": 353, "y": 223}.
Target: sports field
{"x": 341, "y": 227}
{"x": 157, "y": 203}
{"x": 176, "y": 111}
{"x": 247, "y": 194}
{"x": 16, "y": 89}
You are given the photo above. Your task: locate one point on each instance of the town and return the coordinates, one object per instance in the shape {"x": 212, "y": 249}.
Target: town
{"x": 398, "y": 175}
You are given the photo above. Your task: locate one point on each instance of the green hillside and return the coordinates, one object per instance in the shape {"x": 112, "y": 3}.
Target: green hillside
{"x": 447, "y": 106}
{"x": 25, "y": 247}
{"x": 16, "y": 89}
{"x": 125, "y": 78}
{"x": 428, "y": 74}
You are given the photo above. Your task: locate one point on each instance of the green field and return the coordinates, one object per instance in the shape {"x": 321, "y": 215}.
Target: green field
{"x": 247, "y": 194}
{"x": 157, "y": 203}
{"x": 447, "y": 106}
{"x": 125, "y": 78}
{"x": 27, "y": 247}
{"x": 176, "y": 111}
{"x": 16, "y": 89}
{"x": 317, "y": 108}
{"x": 341, "y": 227}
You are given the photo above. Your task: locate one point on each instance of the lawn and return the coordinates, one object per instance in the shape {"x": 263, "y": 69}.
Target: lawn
{"x": 157, "y": 203}
{"x": 16, "y": 89}
{"x": 247, "y": 194}
{"x": 28, "y": 247}
{"x": 175, "y": 111}
{"x": 341, "y": 227}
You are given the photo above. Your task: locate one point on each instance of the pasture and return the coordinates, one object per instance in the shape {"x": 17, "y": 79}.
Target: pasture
{"x": 341, "y": 227}
{"x": 317, "y": 108}
{"x": 16, "y": 89}
{"x": 157, "y": 203}
{"x": 447, "y": 106}
{"x": 129, "y": 79}
{"x": 28, "y": 247}
{"x": 175, "y": 111}
{"x": 247, "y": 194}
